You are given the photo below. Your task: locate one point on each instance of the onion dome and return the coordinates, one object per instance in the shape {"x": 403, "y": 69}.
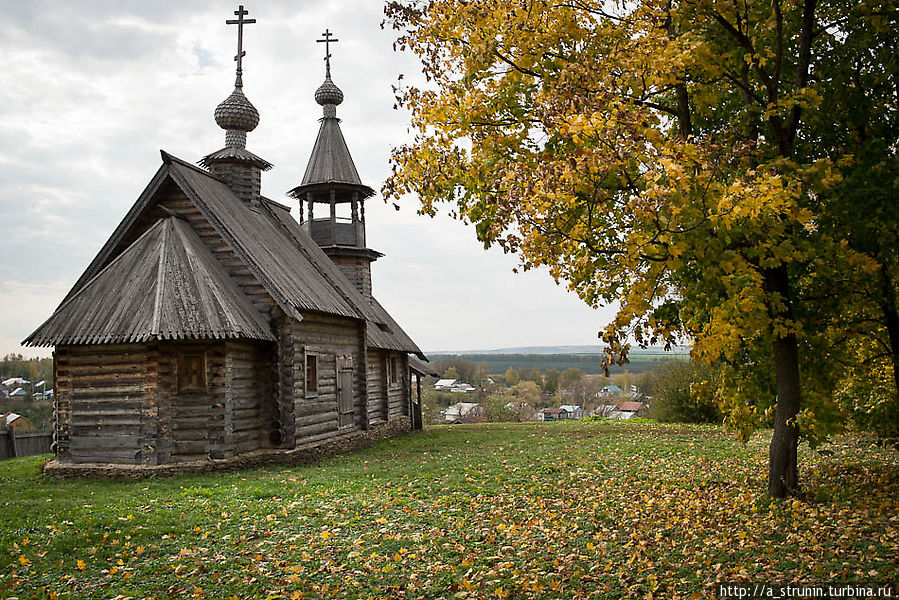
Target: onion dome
{"x": 236, "y": 112}
{"x": 328, "y": 93}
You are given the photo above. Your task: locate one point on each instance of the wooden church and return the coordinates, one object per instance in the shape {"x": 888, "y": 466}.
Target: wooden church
{"x": 212, "y": 325}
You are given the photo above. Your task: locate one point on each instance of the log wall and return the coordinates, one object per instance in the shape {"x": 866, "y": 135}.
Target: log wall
{"x": 194, "y": 423}
{"x": 376, "y": 375}
{"x": 328, "y": 338}
{"x": 398, "y": 393}
{"x": 104, "y": 397}
{"x": 250, "y": 408}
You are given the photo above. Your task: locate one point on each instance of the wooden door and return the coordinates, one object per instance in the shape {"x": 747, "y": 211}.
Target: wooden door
{"x": 345, "y": 397}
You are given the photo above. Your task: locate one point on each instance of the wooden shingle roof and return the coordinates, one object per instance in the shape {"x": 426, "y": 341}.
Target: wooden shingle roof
{"x": 166, "y": 285}
{"x": 286, "y": 261}
{"x": 382, "y": 331}
{"x": 330, "y": 163}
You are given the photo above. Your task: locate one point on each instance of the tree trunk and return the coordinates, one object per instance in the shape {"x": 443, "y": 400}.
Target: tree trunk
{"x": 783, "y": 471}
{"x": 888, "y": 305}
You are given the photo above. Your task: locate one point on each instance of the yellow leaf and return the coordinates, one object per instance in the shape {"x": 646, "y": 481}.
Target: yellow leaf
{"x": 80, "y": 564}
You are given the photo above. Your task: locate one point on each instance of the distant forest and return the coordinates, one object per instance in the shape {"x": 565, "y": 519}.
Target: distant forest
{"x": 497, "y": 364}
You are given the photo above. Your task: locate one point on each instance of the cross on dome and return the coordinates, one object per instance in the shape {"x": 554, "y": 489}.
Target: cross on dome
{"x": 327, "y": 41}
{"x": 240, "y": 22}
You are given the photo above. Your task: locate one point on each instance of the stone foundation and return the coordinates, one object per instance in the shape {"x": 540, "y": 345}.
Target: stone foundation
{"x": 301, "y": 455}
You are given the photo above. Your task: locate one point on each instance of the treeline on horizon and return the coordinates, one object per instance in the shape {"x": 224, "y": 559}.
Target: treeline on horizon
{"x": 497, "y": 364}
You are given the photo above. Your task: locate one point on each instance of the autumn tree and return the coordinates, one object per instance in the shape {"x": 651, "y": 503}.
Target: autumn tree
{"x": 570, "y": 377}
{"x": 551, "y": 380}
{"x": 511, "y": 377}
{"x": 653, "y": 153}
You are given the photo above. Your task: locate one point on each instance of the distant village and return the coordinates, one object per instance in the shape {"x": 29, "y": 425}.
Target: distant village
{"x": 465, "y": 394}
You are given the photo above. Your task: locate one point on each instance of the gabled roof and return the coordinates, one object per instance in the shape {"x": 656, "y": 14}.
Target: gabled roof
{"x": 287, "y": 274}
{"x": 630, "y": 406}
{"x": 330, "y": 162}
{"x": 166, "y": 285}
{"x": 286, "y": 261}
{"x": 382, "y": 331}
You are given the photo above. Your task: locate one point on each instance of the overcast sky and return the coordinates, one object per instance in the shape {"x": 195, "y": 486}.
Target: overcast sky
{"x": 92, "y": 91}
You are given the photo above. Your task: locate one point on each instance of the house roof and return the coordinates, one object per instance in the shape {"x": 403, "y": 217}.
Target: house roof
{"x": 630, "y": 406}
{"x": 18, "y": 392}
{"x": 461, "y": 408}
{"x": 288, "y": 263}
{"x": 570, "y": 408}
{"x": 166, "y": 285}
{"x": 445, "y": 382}
{"x": 553, "y": 411}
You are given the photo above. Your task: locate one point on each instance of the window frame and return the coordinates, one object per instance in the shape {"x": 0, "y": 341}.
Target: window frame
{"x": 393, "y": 371}
{"x": 310, "y": 358}
{"x": 201, "y": 385}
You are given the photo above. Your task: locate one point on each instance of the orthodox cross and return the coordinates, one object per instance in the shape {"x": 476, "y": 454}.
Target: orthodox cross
{"x": 240, "y": 22}
{"x": 328, "y": 42}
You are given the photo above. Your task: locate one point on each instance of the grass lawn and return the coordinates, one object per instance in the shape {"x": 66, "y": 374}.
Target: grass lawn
{"x": 537, "y": 510}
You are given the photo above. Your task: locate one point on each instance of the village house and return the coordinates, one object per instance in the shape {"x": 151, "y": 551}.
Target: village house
{"x": 17, "y": 422}
{"x": 628, "y": 410}
{"x": 464, "y": 412}
{"x": 454, "y": 386}
{"x": 552, "y": 414}
{"x": 574, "y": 411}
{"x": 212, "y": 325}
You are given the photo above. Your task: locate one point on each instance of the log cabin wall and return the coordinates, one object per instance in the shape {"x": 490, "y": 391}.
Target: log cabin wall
{"x": 105, "y": 398}
{"x": 193, "y": 426}
{"x": 376, "y": 376}
{"x": 397, "y": 390}
{"x": 287, "y": 375}
{"x": 250, "y": 409}
{"x": 330, "y": 340}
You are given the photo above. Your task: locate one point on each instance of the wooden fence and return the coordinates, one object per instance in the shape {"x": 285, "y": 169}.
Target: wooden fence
{"x": 24, "y": 443}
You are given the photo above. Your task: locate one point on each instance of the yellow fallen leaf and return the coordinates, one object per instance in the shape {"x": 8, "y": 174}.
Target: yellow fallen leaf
{"x": 80, "y": 564}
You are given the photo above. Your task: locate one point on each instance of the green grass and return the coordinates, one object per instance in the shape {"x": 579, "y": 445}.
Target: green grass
{"x": 552, "y": 510}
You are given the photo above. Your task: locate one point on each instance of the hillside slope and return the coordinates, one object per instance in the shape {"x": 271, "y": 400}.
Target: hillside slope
{"x": 554, "y": 510}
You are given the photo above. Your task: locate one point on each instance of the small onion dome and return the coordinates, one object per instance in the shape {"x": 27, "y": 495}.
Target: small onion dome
{"x": 328, "y": 93}
{"x": 236, "y": 113}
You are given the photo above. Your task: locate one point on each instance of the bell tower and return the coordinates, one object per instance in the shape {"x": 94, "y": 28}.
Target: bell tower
{"x": 331, "y": 195}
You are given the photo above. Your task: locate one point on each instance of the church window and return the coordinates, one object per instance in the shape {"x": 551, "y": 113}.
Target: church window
{"x": 191, "y": 372}
{"x": 311, "y": 374}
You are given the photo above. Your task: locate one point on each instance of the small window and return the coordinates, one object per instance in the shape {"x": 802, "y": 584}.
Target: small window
{"x": 392, "y": 371}
{"x": 192, "y": 372}
{"x": 311, "y": 374}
